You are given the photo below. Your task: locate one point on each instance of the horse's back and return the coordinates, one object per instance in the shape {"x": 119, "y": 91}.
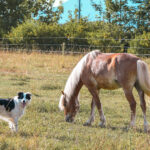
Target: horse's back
{"x": 126, "y": 70}
{"x": 111, "y": 71}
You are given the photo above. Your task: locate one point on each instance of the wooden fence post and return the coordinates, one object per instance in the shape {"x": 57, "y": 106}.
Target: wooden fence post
{"x": 63, "y": 48}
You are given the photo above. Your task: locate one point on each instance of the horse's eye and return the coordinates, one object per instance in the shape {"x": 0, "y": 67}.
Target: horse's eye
{"x": 65, "y": 103}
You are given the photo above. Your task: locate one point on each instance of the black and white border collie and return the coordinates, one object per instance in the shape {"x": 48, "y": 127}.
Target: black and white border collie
{"x": 13, "y": 108}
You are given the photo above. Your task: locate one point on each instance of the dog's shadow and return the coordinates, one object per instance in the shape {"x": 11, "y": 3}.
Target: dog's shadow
{"x": 18, "y": 134}
{"x": 25, "y": 134}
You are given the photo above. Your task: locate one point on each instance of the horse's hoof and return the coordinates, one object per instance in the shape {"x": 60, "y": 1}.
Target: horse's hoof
{"x": 146, "y": 130}
{"x": 102, "y": 125}
{"x": 86, "y": 124}
{"x": 131, "y": 127}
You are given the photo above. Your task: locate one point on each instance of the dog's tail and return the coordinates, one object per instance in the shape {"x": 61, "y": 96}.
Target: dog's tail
{"x": 143, "y": 76}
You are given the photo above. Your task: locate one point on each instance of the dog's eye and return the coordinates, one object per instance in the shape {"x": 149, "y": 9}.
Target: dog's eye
{"x": 28, "y": 96}
{"x": 20, "y": 95}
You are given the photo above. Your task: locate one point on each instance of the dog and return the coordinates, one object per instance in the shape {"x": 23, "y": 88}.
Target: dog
{"x": 13, "y": 108}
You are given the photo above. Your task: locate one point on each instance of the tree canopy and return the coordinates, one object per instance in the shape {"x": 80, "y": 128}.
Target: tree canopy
{"x": 14, "y": 12}
{"x": 36, "y": 21}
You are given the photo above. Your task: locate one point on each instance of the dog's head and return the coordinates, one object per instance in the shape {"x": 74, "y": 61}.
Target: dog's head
{"x": 24, "y": 98}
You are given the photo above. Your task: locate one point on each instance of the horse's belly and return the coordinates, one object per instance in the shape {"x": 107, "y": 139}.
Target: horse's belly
{"x": 108, "y": 84}
{"x": 111, "y": 86}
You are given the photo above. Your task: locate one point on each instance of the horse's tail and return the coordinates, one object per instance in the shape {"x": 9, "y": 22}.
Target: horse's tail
{"x": 143, "y": 76}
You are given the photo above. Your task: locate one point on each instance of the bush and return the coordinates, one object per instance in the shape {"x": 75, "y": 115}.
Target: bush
{"x": 106, "y": 37}
{"x": 35, "y": 34}
{"x": 78, "y": 36}
{"x": 141, "y": 44}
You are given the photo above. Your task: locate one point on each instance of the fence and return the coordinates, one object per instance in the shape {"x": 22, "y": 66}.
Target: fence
{"x": 73, "y": 45}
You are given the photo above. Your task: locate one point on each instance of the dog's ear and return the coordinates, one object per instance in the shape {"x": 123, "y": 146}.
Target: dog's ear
{"x": 20, "y": 95}
{"x": 28, "y": 96}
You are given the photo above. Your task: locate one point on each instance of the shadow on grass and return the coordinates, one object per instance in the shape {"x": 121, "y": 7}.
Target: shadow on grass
{"x": 124, "y": 129}
{"x": 127, "y": 129}
{"x": 45, "y": 107}
{"x": 20, "y": 78}
{"x": 36, "y": 95}
{"x": 50, "y": 87}
{"x": 65, "y": 138}
{"x": 19, "y": 83}
{"x": 25, "y": 134}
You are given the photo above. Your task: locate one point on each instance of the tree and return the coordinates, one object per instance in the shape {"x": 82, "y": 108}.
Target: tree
{"x": 14, "y": 12}
{"x": 75, "y": 31}
{"x": 118, "y": 12}
{"x": 44, "y": 11}
{"x": 98, "y": 7}
{"x": 114, "y": 10}
{"x": 141, "y": 43}
{"x": 142, "y": 15}
{"x": 35, "y": 34}
{"x": 104, "y": 39}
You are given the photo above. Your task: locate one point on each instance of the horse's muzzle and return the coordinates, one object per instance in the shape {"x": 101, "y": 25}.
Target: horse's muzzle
{"x": 69, "y": 118}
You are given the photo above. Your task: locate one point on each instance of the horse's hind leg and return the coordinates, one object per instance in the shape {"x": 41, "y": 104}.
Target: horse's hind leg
{"x": 97, "y": 102}
{"x": 132, "y": 102}
{"x": 143, "y": 106}
{"x": 91, "y": 118}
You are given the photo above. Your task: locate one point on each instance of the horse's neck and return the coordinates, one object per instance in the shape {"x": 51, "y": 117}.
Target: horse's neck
{"x": 77, "y": 89}
{"x": 74, "y": 82}
{"x": 73, "y": 94}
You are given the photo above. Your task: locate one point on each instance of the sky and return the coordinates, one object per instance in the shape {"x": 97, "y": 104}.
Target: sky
{"x": 86, "y": 9}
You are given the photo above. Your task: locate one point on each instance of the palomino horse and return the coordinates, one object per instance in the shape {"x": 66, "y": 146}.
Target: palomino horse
{"x": 97, "y": 71}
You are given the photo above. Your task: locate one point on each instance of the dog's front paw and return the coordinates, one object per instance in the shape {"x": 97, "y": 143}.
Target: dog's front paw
{"x": 13, "y": 127}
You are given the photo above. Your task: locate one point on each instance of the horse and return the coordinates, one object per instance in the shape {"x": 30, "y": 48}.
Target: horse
{"x": 109, "y": 71}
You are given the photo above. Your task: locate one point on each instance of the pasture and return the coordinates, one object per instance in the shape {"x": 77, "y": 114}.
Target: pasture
{"x": 43, "y": 126}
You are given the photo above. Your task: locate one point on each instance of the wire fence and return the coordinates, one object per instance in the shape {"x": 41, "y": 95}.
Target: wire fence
{"x": 74, "y": 45}
{"x": 78, "y": 38}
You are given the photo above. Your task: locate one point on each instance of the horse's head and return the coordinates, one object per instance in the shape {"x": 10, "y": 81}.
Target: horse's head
{"x": 70, "y": 107}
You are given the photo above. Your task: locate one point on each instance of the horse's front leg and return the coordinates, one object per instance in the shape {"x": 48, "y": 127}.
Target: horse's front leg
{"x": 97, "y": 102}
{"x": 91, "y": 118}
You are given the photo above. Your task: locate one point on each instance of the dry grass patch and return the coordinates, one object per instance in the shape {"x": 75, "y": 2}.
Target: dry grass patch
{"x": 43, "y": 126}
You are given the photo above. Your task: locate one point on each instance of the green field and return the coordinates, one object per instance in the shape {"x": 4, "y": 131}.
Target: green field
{"x": 43, "y": 126}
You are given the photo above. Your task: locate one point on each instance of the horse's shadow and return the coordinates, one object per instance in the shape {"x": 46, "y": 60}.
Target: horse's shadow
{"x": 124, "y": 128}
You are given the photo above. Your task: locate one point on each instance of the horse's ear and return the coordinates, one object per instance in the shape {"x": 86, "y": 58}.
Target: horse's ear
{"x": 64, "y": 99}
{"x": 62, "y": 92}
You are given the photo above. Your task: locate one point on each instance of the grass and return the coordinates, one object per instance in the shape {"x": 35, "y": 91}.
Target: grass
{"x": 43, "y": 126}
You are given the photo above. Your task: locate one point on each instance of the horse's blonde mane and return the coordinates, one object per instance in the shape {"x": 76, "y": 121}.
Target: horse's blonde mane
{"x": 74, "y": 77}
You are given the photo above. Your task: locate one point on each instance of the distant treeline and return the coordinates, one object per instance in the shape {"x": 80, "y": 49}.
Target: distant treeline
{"x": 121, "y": 27}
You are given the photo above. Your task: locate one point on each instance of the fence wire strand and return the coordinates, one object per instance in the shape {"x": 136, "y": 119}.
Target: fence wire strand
{"x": 69, "y": 44}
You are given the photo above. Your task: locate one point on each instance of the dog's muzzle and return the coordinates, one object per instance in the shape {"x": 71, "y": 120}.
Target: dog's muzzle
{"x": 24, "y": 104}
